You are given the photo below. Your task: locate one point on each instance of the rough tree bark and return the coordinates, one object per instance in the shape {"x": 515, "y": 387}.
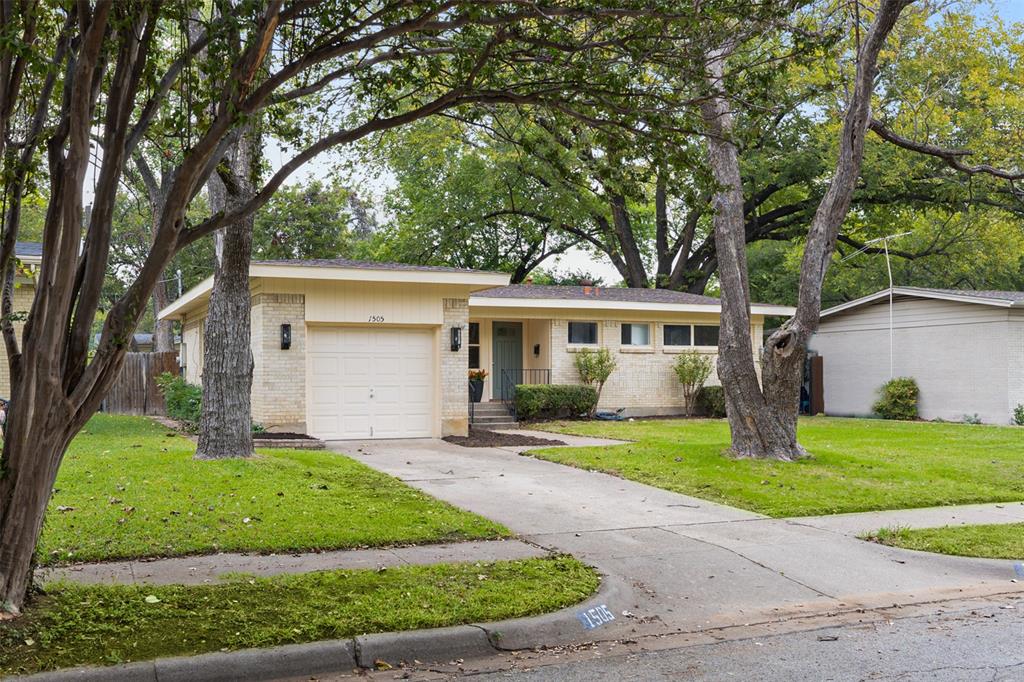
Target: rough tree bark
{"x": 225, "y": 423}
{"x": 763, "y": 421}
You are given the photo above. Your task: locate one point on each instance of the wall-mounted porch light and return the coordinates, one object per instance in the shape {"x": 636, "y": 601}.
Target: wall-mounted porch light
{"x": 456, "y": 339}
{"x": 286, "y": 336}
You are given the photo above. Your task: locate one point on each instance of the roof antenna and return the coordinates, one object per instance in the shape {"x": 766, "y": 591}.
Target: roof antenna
{"x": 888, "y": 269}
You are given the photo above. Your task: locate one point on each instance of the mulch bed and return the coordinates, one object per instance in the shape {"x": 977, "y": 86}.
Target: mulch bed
{"x": 482, "y": 438}
{"x": 281, "y": 435}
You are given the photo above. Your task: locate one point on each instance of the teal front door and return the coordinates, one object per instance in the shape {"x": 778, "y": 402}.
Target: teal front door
{"x": 507, "y": 370}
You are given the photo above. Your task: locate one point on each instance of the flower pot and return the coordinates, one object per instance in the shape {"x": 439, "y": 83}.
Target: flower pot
{"x": 476, "y": 390}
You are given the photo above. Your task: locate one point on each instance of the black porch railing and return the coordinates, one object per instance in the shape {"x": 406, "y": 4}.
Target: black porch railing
{"x": 510, "y": 378}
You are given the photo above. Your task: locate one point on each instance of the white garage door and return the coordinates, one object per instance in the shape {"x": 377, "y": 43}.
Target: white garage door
{"x": 368, "y": 382}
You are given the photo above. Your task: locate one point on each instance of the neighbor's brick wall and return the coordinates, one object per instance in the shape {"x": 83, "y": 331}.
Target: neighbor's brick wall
{"x": 22, "y": 303}
{"x": 454, "y": 382}
{"x": 643, "y": 381}
{"x": 279, "y": 376}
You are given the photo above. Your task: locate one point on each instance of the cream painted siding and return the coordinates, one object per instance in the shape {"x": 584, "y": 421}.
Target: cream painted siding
{"x": 961, "y": 355}
{"x": 355, "y": 302}
{"x": 24, "y": 293}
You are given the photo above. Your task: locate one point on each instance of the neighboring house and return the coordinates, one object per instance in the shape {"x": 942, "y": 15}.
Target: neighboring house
{"x": 965, "y": 349}
{"x": 30, "y": 256}
{"x": 348, "y": 349}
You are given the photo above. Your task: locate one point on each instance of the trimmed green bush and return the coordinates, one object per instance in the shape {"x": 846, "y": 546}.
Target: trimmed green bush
{"x": 184, "y": 400}
{"x": 553, "y": 401}
{"x": 711, "y": 401}
{"x": 898, "y": 399}
{"x": 1018, "y": 415}
{"x": 692, "y": 369}
{"x": 594, "y": 368}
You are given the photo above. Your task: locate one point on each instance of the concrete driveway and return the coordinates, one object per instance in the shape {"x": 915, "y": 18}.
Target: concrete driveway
{"x": 677, "y": 563}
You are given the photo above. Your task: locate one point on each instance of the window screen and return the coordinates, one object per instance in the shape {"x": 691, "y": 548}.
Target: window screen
{"x": 677, "y": 335}
{"x": 583, "y": 332}
{"x": 705, "y": 335}
{"x": 636, "y": 335}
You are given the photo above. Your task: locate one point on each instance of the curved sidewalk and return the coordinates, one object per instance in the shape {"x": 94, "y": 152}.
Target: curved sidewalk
{"x": 196, "y": 570}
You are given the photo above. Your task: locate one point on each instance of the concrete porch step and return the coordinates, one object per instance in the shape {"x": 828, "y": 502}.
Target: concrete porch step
{"x": 493, "y": 420}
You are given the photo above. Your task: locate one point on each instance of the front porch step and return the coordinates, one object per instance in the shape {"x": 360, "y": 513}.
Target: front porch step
{"x": 493, "y": 420}
{"x": 489, "y": 408}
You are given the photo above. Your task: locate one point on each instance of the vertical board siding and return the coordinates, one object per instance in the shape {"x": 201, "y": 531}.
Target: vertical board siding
{"x": 135, "y": 391}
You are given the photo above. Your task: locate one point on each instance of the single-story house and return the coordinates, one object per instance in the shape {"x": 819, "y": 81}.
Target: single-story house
{"x": 965, "y": 349}
{"x": 349, "y": 349}
{"x": 30, "y": 257}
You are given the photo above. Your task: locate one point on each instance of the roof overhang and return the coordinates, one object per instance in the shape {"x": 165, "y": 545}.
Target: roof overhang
{"x": 913, "y": 292}
{"x": 469, "y": 279}
{"x": 577, "y": 304}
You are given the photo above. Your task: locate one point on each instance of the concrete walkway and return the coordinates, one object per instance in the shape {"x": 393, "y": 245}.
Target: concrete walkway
{"x": 929, "y": 517}
{"x": 196, "y": 570}
{"x": 675, "y": 562}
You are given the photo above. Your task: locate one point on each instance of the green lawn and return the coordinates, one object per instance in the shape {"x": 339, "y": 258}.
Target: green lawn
{"x": 130, "y": 488}
{"x": 857, "y": 464}
{"x": 103, "y": 625}
{"x": 995, "y": 541}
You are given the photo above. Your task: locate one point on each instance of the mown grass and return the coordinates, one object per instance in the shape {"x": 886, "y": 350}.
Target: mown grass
{"x": 130, "y": 488}
{"x": 990, "y": 541}
{"x": 103, "y": 625}
{"x": 857, "y": 464}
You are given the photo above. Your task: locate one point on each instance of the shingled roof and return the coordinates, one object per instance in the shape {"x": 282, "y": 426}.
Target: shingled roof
{"x": 1004, "y": 299}
{"x": 363, "y": 265}
{"x": 30, "y": 249}
{"x": 581, "y": 293}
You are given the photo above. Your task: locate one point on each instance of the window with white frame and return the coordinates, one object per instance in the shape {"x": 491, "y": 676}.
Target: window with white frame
{"x": 686, "y": 335}
{"x": 636, "y": 334}
{"x": 678, "y": 335}
{"x": 583, "y": 333}
{"x": 705, "y": 334}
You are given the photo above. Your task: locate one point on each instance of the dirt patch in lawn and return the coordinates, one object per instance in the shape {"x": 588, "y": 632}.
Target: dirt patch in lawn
{"x": 482, "y": 438}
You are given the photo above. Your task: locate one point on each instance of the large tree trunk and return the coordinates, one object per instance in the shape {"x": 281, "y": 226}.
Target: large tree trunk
{"x": 225, "y": 423}
{"x": 163, "y": 330}
{"x": 763, "y": 423}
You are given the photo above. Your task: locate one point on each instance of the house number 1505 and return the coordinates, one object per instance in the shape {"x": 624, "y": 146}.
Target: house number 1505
{"x": 376, "y": 318}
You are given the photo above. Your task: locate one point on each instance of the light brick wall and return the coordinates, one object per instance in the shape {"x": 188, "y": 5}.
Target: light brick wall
{"x": 279, "y": 376}
{"x": 643, "y": 381}
{"x": 24, "y": 293}
{"x": 453, "y": 365}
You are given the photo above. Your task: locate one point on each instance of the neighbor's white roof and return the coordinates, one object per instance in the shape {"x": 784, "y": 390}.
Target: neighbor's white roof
{"x": 1002, "y": 299}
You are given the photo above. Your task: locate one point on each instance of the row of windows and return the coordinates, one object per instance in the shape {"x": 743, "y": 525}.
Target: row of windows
{"x": 585, "y": 333}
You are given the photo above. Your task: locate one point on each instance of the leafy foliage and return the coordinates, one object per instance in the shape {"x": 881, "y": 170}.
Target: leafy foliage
{"x": 711, "y": 401}
{"x": 553, "y": 401}
{"x": 184, "y": 400}
{"x": 594, "y": 368}
{"x": 1018, "y": 415}
{"x": 692, "y": 369}
{"x": 898, "y": 399}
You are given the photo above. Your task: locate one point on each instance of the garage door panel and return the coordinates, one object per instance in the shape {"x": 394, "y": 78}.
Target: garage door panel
{"x": 349, "y": 364}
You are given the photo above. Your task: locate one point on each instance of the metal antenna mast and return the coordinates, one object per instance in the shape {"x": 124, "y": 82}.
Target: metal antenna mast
{"x": 888, "y": 268}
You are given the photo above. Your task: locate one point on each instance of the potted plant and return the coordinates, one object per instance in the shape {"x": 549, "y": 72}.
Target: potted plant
{"x": 476, "y": 384}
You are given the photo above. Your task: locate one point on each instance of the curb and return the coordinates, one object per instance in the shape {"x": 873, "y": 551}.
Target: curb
{"x": 437, "y": 645}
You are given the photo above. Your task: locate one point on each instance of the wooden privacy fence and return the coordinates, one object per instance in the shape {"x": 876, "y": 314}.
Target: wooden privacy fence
{"x": 135, "y": 390}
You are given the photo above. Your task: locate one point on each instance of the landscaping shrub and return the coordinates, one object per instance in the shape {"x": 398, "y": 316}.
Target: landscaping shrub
{"x": 898, "y": 399}
{"x": 183, "y": 400}
{"x": 692, "y": 369}
{"x": 1018, "y": 415}
{"x": 711, "y": 401}
{"x": 534, "y": 401}
{"x": 594, "y": 368}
